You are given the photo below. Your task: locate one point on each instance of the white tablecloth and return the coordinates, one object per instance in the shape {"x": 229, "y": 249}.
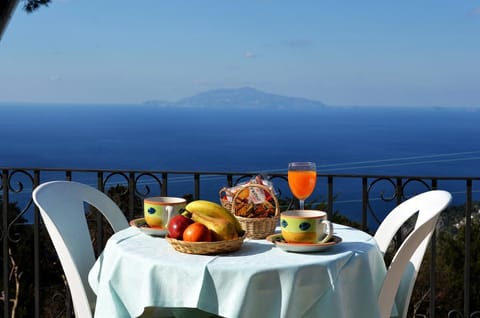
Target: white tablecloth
{"x": 260, "y": 280}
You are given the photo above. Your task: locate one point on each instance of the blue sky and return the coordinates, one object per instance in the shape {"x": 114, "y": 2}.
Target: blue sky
{"x": 340, "y": 52}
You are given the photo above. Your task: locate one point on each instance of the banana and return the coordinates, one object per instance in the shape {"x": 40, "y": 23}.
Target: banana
{"x": 214, "y": 210}
{"x": 222, "y": 229}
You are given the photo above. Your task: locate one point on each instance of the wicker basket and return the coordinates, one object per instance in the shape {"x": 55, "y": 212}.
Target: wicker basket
{"x": 204, "y": 248}
{"x": 256, "y": 228}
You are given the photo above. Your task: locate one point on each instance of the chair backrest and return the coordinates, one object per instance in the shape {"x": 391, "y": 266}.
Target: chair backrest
{"x": 62, "y": 207}
{"x": 402, "y": 272}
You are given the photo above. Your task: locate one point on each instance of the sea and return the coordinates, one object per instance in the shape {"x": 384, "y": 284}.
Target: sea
{"x": 425, "y": 141}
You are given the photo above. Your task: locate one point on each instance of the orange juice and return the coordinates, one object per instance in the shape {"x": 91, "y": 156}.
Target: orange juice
{"x": 302, "y": 183}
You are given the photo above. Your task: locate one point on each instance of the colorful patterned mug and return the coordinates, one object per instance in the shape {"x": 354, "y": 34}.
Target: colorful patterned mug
{"x": 305, "y": 226}
{"x": 159, "y": 210}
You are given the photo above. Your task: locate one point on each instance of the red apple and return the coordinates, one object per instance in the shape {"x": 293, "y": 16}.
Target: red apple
{"x": 177, "y": 225}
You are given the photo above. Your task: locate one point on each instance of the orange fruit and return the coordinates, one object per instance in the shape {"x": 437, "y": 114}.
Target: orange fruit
{"x": 197, "y": 232}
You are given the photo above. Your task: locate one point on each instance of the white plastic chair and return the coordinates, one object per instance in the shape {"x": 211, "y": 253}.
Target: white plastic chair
{"x": 402, "y": 272}
{"x": 62, "y": 208}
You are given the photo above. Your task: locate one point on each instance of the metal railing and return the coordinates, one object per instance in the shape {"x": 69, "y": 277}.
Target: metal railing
{"x": 27, "y": 284}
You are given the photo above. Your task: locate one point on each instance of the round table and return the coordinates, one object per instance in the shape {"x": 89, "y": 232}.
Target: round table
{"x": 136, "y": 271}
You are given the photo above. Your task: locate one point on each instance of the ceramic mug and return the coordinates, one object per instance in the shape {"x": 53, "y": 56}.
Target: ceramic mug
{"x": 158, "y": 211}
{"x": 305, "y": 226}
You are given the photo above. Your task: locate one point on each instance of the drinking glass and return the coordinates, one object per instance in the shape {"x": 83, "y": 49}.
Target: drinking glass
{"x": 302, "y": 177}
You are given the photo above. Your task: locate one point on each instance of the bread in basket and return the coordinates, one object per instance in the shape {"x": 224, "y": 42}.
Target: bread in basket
{"x": 256, "y": 208}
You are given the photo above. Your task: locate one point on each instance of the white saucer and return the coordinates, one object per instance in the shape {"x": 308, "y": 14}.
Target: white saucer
{"x": 142, "y": 225}
{"x": 278, "y": 240}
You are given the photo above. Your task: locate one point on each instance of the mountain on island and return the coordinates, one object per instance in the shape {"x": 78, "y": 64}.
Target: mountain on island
{"x": 245, "y": 97}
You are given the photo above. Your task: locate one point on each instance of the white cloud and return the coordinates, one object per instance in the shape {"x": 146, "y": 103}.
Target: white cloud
{"x": 250, "y": 55}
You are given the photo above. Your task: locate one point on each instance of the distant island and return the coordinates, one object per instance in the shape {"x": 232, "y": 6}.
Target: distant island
{"x": 245, "y": 97}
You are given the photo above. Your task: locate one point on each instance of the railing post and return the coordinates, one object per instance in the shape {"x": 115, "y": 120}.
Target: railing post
{"x": 433, "y": 265}
{"x": 131, "y": 194}
{"x": 196, "y": 181}
{"x": 68, "y": 175}
{"x": 468, "y": 234}
{"x": 36, "y": 249}
{"x": 98, "y": 217}
{"x": 4, "y": 237}
{"x": 399, "y": 194}
{"x": 364, "y": 203}
{"x": 164, "y": 184}
{"x": 330, "y": 197}
{"x": 399, "y": 191}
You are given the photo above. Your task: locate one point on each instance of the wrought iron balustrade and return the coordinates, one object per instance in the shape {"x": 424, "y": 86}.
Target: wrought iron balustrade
{"x": 364, "y": 199}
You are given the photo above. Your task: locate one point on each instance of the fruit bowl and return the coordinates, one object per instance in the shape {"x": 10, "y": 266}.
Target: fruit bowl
{"x": 205, "y": 248}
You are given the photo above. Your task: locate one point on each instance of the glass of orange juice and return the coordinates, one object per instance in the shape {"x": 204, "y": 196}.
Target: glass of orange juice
{"x": 302, "y": 177}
